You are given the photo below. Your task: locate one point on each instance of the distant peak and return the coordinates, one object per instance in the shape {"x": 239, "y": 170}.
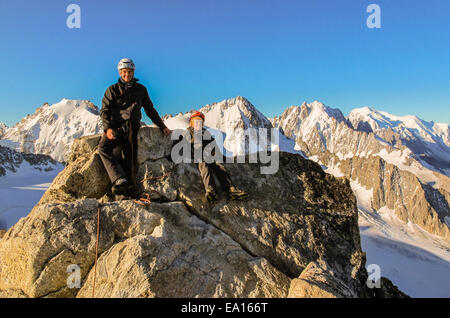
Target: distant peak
{"x": 364, "y": 110}
{"x": 64, "y": 100}
{"x": 230, "y": 102}
{"x": 240, "y": 99}
{"x": 367, "y": 109}
{"x": 317, "y": 104}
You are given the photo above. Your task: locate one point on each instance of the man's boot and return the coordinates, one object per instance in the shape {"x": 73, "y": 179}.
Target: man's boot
{"x": 120, "y": 187}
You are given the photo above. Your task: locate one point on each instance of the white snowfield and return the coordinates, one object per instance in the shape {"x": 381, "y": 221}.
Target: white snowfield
{"x": 20, "y": 191}
{"x": 417, "y": 262}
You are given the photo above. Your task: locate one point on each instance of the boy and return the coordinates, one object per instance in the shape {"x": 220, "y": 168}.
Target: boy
{"x": 208, "y": 170}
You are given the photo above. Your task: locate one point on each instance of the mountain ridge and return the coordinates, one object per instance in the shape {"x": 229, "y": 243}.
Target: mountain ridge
{"x": 336, "y": 144}
{"x": 312, "y": 128}
{"x": 52, "y": 128}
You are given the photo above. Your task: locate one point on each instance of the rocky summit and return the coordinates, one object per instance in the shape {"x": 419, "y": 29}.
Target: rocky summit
{"x": 296, "y": 235}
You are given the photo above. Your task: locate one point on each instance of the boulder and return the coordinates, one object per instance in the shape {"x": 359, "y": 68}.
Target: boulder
{"x": 160, "y": 251}
{"x": 182, "y": 256}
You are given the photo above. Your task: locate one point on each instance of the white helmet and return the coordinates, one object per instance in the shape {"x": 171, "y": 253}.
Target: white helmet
{"x": 126, "y": 63}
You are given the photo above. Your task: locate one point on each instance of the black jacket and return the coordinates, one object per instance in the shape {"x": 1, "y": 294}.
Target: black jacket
{"x": 120, "y": 104}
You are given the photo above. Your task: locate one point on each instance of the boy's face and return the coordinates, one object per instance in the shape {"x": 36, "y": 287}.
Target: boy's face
{"x": 126, "y": 74}
{"x": 197, "y": 123}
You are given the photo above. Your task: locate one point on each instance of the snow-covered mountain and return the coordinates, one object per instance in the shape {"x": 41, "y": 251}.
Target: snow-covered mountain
{"x": 229, "y": 114}
{"x": 366, "y": 144}
{"x": 381, "y": 162}
{"x": 407, "y": 142}
{"x": 429, "y": 142}
{"x": 397, "y": 167}
{"x": 378, "y": 156}
{"x": 229, "y": 120}
{"x": 52, "y": 128}
{"x": 305, "y": 118}
{"x": 12, "y": 161}
{"x": 408, "y": 126}
{"x": 414, "y": 144}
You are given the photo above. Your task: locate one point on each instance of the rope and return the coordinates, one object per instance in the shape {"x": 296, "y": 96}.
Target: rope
{"x": 144, "y": 201}
{"x": 96, "y": 251}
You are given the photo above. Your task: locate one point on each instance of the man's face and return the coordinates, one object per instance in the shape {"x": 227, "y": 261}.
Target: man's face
{"x": 126, "y": 74}
{"x": 197, "y": 123}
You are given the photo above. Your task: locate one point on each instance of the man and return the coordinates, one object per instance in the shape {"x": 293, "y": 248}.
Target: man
{"x": 121, "y": 117}
{"x": 201, "y": 137}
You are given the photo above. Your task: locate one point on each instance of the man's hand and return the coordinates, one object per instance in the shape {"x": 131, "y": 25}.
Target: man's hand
{"x": 110, "y": 134}
{"x": 166, "y": 131}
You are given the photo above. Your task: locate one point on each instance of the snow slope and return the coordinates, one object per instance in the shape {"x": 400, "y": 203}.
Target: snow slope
{"x": 414, "y": 260}
{"x": 21, "y": 190}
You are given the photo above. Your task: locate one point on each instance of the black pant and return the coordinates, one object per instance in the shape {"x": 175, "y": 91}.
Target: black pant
{"x": 208, "y": 170}
{"x": 119, "y": 156}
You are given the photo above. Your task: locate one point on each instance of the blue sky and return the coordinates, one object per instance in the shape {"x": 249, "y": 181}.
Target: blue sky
{"x": 191, "y": 53}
